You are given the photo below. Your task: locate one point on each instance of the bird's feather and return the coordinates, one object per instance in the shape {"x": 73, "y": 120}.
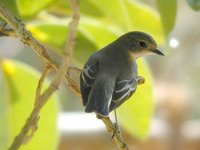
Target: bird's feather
{"x": 122, "y": 91}
{"x": 100, "y": 95}
{"x": 87, "y": 77}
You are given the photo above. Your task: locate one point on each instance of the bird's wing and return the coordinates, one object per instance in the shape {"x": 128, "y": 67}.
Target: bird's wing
{"x": 87, "y": 77}
{"x": 124, "y": 88}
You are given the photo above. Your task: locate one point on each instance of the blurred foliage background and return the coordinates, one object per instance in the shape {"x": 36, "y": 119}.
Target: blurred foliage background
{"x": 172, "y": 82}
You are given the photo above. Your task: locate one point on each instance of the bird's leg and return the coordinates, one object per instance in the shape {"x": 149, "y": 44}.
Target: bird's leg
{"x": 117, "y": 129}
{"x": 141, "y": 80}
{"x": 99, "y": 116}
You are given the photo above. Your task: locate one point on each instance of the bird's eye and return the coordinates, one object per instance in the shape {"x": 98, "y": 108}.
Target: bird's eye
{"x": 142, "y": 44}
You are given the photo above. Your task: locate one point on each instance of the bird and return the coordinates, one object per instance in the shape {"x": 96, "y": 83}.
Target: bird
{"x": 110, "y": 75}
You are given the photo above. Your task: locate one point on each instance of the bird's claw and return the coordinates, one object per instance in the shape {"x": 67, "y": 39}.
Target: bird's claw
{"x": 141, "y": 80}
{"x": 116, "y": 130}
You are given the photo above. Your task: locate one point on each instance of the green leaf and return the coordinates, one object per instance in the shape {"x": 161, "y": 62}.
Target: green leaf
{"x": 4, "y": 115}
{"x": 124, "y": 15}
{"x": 97, "y": 33}
{"x": 61, "y": 8}
{"x": 47, "y": 32}
{"x": 29, "y": 8}
{"x": 111, "y": 12}
{"x": 194, "y": 4}
{"x": 128, "y": 15}
{"x": 135, "y": 115}
{"x": 83, "y": 49}
{"x": 167, "y": 9}
{"x": 17, "y": 97}
{"x": 52, "y": 33}
{"x": 145, "y": 19}
{"x": 11, "y": 6}
{"x": 86, "y": 8}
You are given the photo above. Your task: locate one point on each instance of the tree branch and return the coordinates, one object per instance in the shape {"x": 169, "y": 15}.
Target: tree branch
{"x": 6, "y": 30}
{"x": 115, "y": 132}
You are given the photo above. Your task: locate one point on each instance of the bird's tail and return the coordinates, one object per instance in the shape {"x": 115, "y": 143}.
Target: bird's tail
{"x": 100, "y": 96}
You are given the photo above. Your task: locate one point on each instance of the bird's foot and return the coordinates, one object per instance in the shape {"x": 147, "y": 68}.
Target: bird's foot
{"x": 116, "y": 130}
{"x": 116, "y": 126}
{"x": 99, "y": 116}
{"x": 141, "y": 80}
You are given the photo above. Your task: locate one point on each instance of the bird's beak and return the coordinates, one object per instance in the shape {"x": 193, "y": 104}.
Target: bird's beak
{"x": 157, "y": 51}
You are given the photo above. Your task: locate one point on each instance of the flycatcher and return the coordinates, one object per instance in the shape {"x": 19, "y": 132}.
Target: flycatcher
{"x": 110, "y": 76}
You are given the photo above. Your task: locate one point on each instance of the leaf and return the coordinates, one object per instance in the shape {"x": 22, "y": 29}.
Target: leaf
{"x": 11, "y": 6}
{"x": 17, "y": 97}
{"x": 125, "y": 16}
{"x": 144, "y": 18}
{"x": 55, "y": 34}
{"x": 28, "y": 8}
{"x": 128, "y": 15}
{"x": 167, "y": 9}
{"x": 86, "y": 8}
{"x": 51, "y": 33}
{"x": 135, "y": 114}
{"x": 4, "y": 115}
{"x": 97, "y": 33}
{"x": 111, "y": 12}
{"x": 194, "y": 4}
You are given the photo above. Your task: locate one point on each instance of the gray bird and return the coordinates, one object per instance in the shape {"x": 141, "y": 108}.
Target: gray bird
{"x": 110, "y": 76}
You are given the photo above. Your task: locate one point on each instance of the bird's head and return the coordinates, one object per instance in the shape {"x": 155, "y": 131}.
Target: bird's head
{"x": 139, "y": 44}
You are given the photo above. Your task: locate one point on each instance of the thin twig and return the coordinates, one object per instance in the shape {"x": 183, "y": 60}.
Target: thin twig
{"x": 74, "y": 86}
{"x": 6, "y": 30}
{"x": 41, "y": 83}
{"x": 116, "y": 134}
